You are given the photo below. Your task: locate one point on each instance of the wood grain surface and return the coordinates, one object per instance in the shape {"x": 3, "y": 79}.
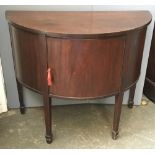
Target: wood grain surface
{"x": 29, "y": 53}
{"x": 82, "y": 55}
{"x": 85, "y": 68}
{"x": 87, "y": 24}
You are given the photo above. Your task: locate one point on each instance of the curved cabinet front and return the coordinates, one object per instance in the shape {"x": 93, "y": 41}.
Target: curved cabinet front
{"x": 96, "y": 54}
{"x": 85, "y": 68}
{"x": 30, "y": 60}
{"x": 80, "y": 68}
{"x": 133, "y": 57}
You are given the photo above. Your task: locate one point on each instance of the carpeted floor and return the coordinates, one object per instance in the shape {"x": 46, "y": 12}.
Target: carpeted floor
{"x": 79, "y": 126}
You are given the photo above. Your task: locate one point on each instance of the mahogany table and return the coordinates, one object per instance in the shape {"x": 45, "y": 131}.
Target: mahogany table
{"x": 78, "y": 55}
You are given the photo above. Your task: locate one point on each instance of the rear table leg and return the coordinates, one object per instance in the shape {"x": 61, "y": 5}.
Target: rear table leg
{"x": 131, "y": 96}
{"x": 21, "y": 101}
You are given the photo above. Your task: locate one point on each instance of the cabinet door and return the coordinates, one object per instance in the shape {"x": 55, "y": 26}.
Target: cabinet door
{"x": 85, "y": 68}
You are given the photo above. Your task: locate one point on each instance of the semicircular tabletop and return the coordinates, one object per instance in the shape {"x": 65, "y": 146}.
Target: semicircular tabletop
{"x": 58, "y": 23}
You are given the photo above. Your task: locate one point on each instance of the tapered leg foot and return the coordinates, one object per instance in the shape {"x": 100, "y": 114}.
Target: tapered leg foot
{"x": 22, "y": 110}
{"x": 130, "y": 104}
{"x": 49, "y": 139}
{"x": 21, "y": 101}
{"x": 131, "y": 96}
{"x": 114, "y": 135}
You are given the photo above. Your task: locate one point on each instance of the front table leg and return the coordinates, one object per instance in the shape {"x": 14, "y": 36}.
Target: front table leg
{"x": 117, "y": 113}
{"x": 48, "y": 118}
{"x": 131, "y": 96}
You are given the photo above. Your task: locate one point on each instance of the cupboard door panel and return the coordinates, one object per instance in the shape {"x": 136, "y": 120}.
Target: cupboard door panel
{"x": 85, "y": 68}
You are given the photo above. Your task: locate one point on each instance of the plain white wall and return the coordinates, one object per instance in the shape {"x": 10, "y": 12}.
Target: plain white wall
{"x": 3, "y": 101}
{"x": 32, "y": 99}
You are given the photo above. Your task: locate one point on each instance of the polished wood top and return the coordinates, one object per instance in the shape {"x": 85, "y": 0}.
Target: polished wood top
{"x": 79, "y": 23}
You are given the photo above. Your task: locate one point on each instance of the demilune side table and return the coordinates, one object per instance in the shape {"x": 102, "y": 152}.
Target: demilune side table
{"x": 78, "y": 55}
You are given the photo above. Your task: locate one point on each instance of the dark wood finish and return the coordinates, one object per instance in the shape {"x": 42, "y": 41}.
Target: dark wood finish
{"x": 73, "y": 64}
{"x": 31, "y": 62}
{"x": 149, "y": 87}
{"x": 133, "y": 56}
{"x": 79, "y": 24}
{"x": 79, "y": 55}
{"x": 20, "y": 94}
{"x": 48, "y": 118}
{"x": 131, "y": 96}
{"x": 117, "y": 114}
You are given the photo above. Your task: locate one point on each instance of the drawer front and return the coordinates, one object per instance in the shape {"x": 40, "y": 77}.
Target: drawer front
{"x": 29, "y": 52}
{"x": 85, "y": 68}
